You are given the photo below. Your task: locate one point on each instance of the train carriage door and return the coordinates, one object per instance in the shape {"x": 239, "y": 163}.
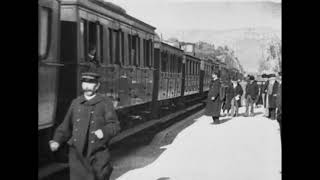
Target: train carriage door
{"x": 47, "y": 74}
{"x": 124, "y": 84}
{"x": 69, "y": 87}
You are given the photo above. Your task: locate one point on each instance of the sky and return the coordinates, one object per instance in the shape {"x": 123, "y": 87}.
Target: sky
{"x": 171, "y": 16}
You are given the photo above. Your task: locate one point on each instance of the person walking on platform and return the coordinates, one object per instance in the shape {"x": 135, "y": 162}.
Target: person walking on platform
{"x": 88, "y": 126}
{"x": 251, "y": 95}
{"x": 240, "y": 100}
{"x": 236, "y": 93}
{"x": 213, "y": 105}
{"x": 279, "y": 101}
{"x": 264, "y": 94}
{"x": 272, "y": 92}
{"x": 228, "y": 97}
{"x": 259, "y": 100}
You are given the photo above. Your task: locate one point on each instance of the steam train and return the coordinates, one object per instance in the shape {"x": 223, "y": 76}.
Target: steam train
{"x": 141, "y": 74}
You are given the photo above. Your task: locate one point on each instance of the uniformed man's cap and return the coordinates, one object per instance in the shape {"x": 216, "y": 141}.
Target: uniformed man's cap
{"x": 90, "y": 77}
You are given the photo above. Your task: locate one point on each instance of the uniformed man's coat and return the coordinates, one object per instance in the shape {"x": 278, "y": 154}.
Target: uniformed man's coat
{"x": 88, "y": 156}
{"x": 213, "y": 107}
{"x": 273, "y": 96}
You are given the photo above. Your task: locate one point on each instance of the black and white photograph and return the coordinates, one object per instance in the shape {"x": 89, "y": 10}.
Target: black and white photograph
{"x": 159, "y": 90}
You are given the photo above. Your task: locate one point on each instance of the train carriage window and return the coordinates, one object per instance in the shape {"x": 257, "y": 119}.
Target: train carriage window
{"x": 111, "y": 53}
{"x": 187, "y": 67}
{"x": 44, "y": 31}
{"x": 138, "y": 51}
{"x": 130, "y": 49}
{"x": 92, "y": 39}
{"x": 134, "y": 50}
{"x": 101, "y": 48}
{"x": 163, "y": 62}
{"x": 171, "y": 63}
{"x": 149, "y": 52}
{"x": 122, "y": 50}
{"x": 196, "y": 68}
{"x": 191, "y": 65}
{"x": 145, "y": 51}
{"x": 83, "y": 39}
{"x": 117, "y": 46}
{"x": 178, "y": 64}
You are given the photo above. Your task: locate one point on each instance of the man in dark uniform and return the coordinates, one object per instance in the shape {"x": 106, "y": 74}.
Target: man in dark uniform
{"x": 89, "y": 124}
{"x": 279, "y": 101}
{"x": 272, "y": 91}
{"x": 264, "y": 94}
{"x": 252, "y": 91}
{"x": 228, "y": 97}
{"x": 213, "y": 106}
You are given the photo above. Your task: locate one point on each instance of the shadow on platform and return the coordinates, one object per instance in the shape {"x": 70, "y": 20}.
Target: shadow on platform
{"x": 221, "y": 121}
{"x": 135, "y": 147}
{"x": 164, "y": 178}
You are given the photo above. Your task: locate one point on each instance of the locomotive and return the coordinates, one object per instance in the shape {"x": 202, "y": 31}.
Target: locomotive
{"x": 141, "y": 74}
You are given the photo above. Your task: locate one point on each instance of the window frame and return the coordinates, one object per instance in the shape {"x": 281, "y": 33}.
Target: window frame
{"x": 48, "y": 36}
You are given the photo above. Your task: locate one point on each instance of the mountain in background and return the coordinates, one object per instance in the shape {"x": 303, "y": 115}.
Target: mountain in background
{"x": 249, "y": 44}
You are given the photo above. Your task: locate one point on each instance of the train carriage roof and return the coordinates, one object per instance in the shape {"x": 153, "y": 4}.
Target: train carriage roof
{"x": 168, "y": 47}
{"x": 111, "y": 10}
{"x": 192, "y": 57}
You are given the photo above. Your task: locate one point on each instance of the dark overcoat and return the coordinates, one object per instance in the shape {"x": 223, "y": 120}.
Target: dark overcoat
{"x": 213, "y": 107}
{"x": 259, "y": 99}
{"x": 252, "y": 89}
{"x": 88, "y": 156}
{"x": 264, "y": 91}
{"x": 229, "y": 94}
{"x": 279, "y": 103}
{"x": 236, "y": 91}
{"x": 273, "y": 96}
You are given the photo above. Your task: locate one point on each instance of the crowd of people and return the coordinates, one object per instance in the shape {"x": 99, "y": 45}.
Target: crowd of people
{"x": 225, "y": 98}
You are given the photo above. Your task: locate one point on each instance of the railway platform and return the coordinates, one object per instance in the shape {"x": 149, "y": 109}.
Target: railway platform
{"x": 240, "y": 148}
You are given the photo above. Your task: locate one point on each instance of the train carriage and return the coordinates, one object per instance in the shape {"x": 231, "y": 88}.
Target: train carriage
{"x": 48, "y": 73}
{"x": 139, "y": 73}
{"x": 123, "y": 53}
{"x": 192, "y": 75}
{"x": 168, "y": 76}
{"x": 207, "y": 69}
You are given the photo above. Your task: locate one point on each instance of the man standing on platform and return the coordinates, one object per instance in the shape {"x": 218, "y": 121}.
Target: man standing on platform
{"x": 252, "y": 91}
{"x": 213, "y": 106}
{"x": 279, "y": 101}
{"x": 89, "y": 124}
{"x": 237, "y": 92}
{"x": 264, "y": 94}
{"x": 272, "y": 92}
